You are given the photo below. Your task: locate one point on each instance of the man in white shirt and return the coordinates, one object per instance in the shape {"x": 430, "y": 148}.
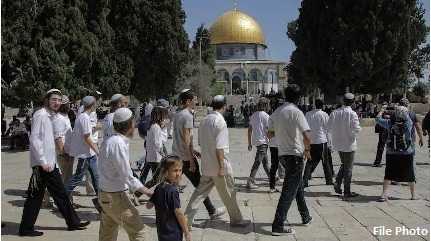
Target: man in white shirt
{"x": 216, "y": 168}
{"x": 117, "y": 101}
{"x": 257, "y": 130}
{"x": 289, "y": 125}
{"x": 343, "y": 127}
{"x": 63, "y": 139}
{"x": 116, "y": 180}
{"x": 182, "y": 146}
{"x": 45, "y": 170}
{"x": 83, "y": 147}
{"x": 318, "y": 120}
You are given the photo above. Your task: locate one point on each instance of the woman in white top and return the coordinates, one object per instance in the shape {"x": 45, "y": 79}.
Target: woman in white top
{"x": 155, "y": 142}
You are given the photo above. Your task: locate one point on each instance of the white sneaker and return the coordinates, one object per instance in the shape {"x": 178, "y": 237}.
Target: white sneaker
{"x": 218, "y": 213}
{"x": 251, "y": 185}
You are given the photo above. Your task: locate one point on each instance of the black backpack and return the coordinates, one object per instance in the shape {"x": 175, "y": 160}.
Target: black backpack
{"x": 398, "y": 141}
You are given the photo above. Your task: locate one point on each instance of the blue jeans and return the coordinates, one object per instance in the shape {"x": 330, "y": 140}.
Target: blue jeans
{"x": 89, "y": 163}
{"x": 292, "y": 188}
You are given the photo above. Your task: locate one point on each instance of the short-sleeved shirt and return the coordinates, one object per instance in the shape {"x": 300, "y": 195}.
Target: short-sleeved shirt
{"x": 183, "y": 119}
{"x": 63, "y": 130}
{"x": 79, "y": 148}
{"x": 289, "y": 123}
{"x": 259, "y": 125}
{"x": 166, "y": 199}
{"x": 213, "y": 135}
{"x": 318, "y": 121}
{"x": 93, "y": 120}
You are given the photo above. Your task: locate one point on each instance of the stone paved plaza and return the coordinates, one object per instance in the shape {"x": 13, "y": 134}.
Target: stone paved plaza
{"x": 333, "y": 219}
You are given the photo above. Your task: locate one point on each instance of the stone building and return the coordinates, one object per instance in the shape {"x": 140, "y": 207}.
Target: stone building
{"x": 241, "y": 60}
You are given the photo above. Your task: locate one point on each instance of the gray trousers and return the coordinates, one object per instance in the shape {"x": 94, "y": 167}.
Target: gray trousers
{"x": 261, "y": 157}
{"x": 345, "y": 171}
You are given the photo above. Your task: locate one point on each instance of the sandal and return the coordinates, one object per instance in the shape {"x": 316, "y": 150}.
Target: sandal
{"x": 382, "y": 199}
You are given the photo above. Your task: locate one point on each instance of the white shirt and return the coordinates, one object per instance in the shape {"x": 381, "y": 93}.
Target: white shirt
{"x": 82, "y": 127}
{"x": 93, "y": 118}
{"x": 289, "y": 123}
{"x": 318, "y": 120}
{"x": 42, "y": 145}
{"x": 63, "y": 130}
{"x": 154, "y": 143}
{"x": 115, "y": 174}
{"x": 273, "y": 140}
{"x": 213, "y": 135}
{"x": 108, "y": 128}
{"x": 343, "y": 127}
{"x": 95, "y": 134}
{"x": 259, "y": 125}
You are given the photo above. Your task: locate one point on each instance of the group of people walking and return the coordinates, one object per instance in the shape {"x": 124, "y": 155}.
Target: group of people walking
{"x": 291, "y": 136}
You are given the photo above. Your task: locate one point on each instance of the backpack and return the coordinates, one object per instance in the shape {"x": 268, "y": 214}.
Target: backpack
{"x": 144, "y": 125}
{"x": 398, "y": 140}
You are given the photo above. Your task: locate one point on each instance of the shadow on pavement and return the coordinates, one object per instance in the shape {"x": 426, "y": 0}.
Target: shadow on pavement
{"x": 367, "y": 183}
{"x": 17, "y": 203}
{"x": 15, "y": 192}
{"x": 11, "y": 228}
{"x": 319, "y": 194}
{"x": 367, "y": 164}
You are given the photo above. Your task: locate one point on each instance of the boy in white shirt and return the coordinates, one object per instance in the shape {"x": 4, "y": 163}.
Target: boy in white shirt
{"x": 257, "y": 136}
{"x": 84, "y": 148}
{"x": 116, "y": 180}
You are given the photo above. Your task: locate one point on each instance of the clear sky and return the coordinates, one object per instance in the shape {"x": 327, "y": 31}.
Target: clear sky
{"x": 272, "y": 15}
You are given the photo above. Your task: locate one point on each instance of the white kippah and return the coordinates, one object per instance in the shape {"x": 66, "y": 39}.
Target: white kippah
{"x": 116, "y": 97}
{"x": 122, "y": 114}
{"x": 349, "y": 96}
{"x": 184, "y": 90}
{"x": 218, "y": 98}
{"x": 53, "y": 90}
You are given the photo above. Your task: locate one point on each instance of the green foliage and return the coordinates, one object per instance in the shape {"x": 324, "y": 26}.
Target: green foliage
{"x": 133, "y": 47}
{"x": 363, "y": 45}
{"x": 200, "y": 74}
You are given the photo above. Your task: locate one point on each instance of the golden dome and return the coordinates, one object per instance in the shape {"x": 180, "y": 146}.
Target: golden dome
{"x": 236, "y": 27}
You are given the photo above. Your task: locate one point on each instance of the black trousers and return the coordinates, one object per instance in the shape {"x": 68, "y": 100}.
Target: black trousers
{"x": 319, "y": 152}
{"x": 292, "y": 189}
{"x": 194, "y": 177}
{"x": 383, "y": 136}
{"x": 274, "y": 166}
{"x": 52, "y": 181}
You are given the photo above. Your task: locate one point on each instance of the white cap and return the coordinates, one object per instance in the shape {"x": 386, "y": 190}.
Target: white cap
{"x": 88, "y": 100}
{"x": 116, "y": 97}
{"x": 53, "y": 90}
{"x": 98, "y": 92}
{"x": 184, "y": 90}
{"x": 122, "y": 114}
{"x": 349, "y": 96}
